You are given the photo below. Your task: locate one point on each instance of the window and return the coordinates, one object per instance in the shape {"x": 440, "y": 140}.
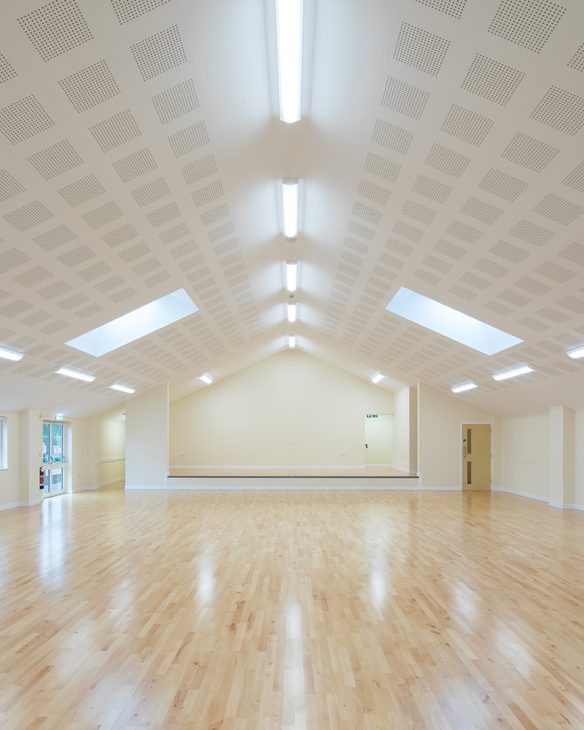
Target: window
{"x": 3, "y": 443}
{"x": 53, "y": 450}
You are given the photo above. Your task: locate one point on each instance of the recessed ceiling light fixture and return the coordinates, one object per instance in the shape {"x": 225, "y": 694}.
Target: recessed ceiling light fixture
{"x": 291, "y": 313}
{"x": 290, "y": 207}
{"x": 576, "y": 353}
{"x": 513, "y": 372}
{"x": 450, "y": 322}
{"x": 292, "y": 341}
{"x": 7, "y": 354}
{"x": 291, "y": 277}
{"x": 377, "y": 378}
{"x": 135, "y": 324}
{"x": 76, "y": 374}
{"x": 122, "y": 388}
{"x": 463, "y": 387}
{"x": 206, "y": 378}
{"x": 289, "y": 41}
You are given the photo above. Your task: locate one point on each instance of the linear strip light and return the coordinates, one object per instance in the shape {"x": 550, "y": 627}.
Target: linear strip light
{"x": 450, "y": 322}
{"x": 463, "y": 387}
{"x": 76, "y": 374}
{"x": 291, "y": 341}
{"x": 377, "y": 378}
{"x": 122, "y": 388}
{"x": 290, "y": 208}
{"x": 289, "y": 41}
{"x": 576, "y": 353}
{"x": 513, "y": 372}
{"x": 291, "y": 313}
{"x": 135, "y": 324}
{"x": 10, "y": 354}
{"x": 206, "y": 378}
{"x": 292, "y": 277}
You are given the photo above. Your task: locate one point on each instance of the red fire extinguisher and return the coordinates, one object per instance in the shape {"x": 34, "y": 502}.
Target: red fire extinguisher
{"x": 41, "y": 478}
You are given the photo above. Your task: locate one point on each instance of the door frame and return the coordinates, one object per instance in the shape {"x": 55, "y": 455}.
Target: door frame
{"x": 374, "y": 466}
{"x": 460, "y": 432}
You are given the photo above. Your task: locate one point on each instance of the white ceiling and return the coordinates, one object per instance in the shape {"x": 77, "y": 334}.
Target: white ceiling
{"x": 441, "y": 149}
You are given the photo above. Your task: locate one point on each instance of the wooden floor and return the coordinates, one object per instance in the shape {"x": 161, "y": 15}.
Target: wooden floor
{"x": 248, "y": 611}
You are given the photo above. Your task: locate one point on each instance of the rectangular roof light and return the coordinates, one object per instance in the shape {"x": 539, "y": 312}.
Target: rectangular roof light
{"x": 135, "y": 324}
{"x": 450, "y": 322}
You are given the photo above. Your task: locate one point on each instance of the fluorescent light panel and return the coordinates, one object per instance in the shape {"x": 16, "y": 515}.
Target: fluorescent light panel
{"x": 291, "y": 313}
{"x": 289, "y": 42}
{"x": 291, "y": 341}
{"x": 76, "y": 374}
{"x": 206, "y": 378}
{"x": 576, "y": 353}
{"x": 463, "y": 387}
{"x": 122, "y": 388}
{"x": 290, "y": 208}
{"x": 7, "y": 354}
{"x": 513, "y": 372}
{"x": 135, "y": 324}
{"x": 450, "y": 322}
{"x": 291, "y": 277}
{"x": 377, "y": 378}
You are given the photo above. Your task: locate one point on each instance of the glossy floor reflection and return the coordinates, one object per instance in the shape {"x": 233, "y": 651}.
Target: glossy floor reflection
{"x": 246, "y": 611}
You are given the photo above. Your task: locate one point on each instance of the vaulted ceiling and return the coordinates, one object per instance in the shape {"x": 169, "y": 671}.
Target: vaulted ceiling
{"x": 441, "y": 148}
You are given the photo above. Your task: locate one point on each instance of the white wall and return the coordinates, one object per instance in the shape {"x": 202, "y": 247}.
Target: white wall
{"x": 579, "y": 459}
{"x": 10, "y": 477}
{"x": 440, "y": 419}
{"x": 147, "y": 439}
{"x": 289, "y": 410}
{"x": 405, "y": 437}
{"x": 525, "y": 455}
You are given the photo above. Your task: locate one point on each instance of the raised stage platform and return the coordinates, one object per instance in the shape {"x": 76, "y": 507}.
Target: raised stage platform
{"x": 292, "y": 478}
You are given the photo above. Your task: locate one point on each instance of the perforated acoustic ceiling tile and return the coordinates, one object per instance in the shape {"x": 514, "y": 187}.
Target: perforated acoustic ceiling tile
{"x": 56, "y": 28}
{"x": 529, "y": 152}
{"x": 30, "y": 215}
{"x": 454, "y": 8}
{"x": 382, "y": 167}
{"x": 55, "y": 237}
{"x": 481, "y": 210}
{"x": 6, "y": 71}
{"x": 419, "y": 212}
{"x": 509, "y": 252}
{"x": 199, "y": 169}
{"x": 492, "y": 79}
{"x": 373, "y": 192}
{"x": 159, "y": 53}
{"x": 404, "y": 98}
{"x": 502, "y": 184}
{"x": 463, "y": 231}
{"x": 391, "y": 136}
{"x": 24, "y": 119}
{"x": 528, "y": 23}
{"x": 90, "y": 86}
{"x": 555, "y": 272}
{"x": 531, "y": 232}
{"x": 152, "y": 191}
{"x": 55, "y": 160}
{"x": 120, "y": 235}
{"x": 367, "y": 213}
{"x": 189, "y": 139}
{"x": 102, "y": 216}
{"x": 81, "y": 191}
{"x": 163, "y": 215}
{"x": 176, "y": 101}
{"x": 558, "y": 209}
{"x": 9, "y": 186}
{"x": 466, "y": 125}
{"x": 135, "y": 165}
{"x": 577, "y": 60}
{"x": 432, "y": 189}
{"x": 420, "y": 49}
{"x": 560, "y": 109}
{"x": 115, "y": 130}
{"x": 214, "y": 214}
{"x": 127, "y": 10}
{"x": 11, "y": 259}
{"x": 447, "y": 161}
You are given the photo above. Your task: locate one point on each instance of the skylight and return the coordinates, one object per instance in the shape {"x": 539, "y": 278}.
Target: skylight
{"x": 450, "y": 322}
{"x": 136, "y": 324}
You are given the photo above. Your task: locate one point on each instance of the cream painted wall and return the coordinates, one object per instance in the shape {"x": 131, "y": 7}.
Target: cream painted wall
{"x": 405, "y": 438}
{"x": 440, "y": 419}
{"x": 579, "y": 459}
{"x": 10, "y": 477}
{"x": 525, "y": 456}
{"x": 111, "y": 447}
{"x": 147, "y": 439}
{"x": 289, "y": 410}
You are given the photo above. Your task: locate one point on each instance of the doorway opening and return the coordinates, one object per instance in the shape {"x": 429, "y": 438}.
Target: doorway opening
{"x": 476, "y": 457}
{"x": 55, "y": 457}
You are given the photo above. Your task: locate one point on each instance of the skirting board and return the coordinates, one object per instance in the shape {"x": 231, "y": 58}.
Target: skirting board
{"x": 12, "y": 505}
{"x": 258, "y": 467}
{"x": 539, "y": 498}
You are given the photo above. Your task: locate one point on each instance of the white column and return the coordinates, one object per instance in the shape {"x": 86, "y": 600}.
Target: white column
{"x": 561, "y": 444}
{"x": 31, "y": 438}
{"x": 147, "y": 439}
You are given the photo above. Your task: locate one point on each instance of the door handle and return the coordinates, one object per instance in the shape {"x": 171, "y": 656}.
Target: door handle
{"x": 366, "y": 446}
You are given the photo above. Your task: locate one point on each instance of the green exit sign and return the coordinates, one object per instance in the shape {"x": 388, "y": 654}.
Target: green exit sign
{"x": 372, "y": 415}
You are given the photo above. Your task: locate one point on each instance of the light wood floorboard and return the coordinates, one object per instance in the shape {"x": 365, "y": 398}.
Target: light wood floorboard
{"x": 257, "y": 611}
